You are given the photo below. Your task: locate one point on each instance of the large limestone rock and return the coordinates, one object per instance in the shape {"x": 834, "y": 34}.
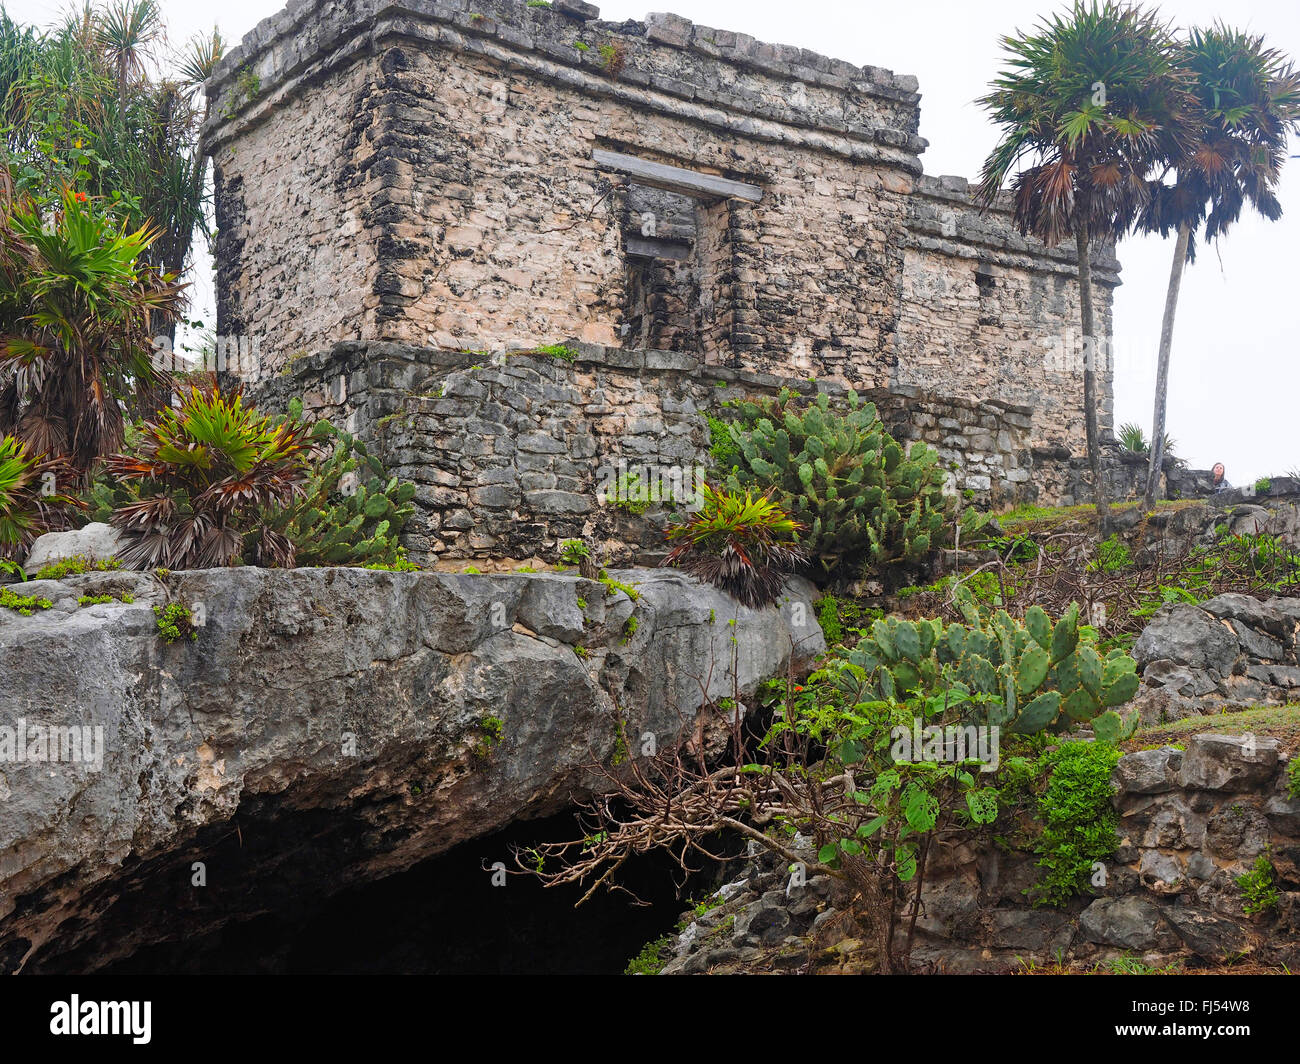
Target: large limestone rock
{"x": 96, "y": 541}
{"x": 329, "y": 726}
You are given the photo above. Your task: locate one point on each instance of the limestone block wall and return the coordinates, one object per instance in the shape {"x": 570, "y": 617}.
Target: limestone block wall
{"x": 510, "y": 452}
{"x": 988, "y": 312}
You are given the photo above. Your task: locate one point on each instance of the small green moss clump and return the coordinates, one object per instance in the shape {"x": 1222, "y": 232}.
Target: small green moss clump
{"x": 24, "y": 604}
{"x": 175, "y": 621}
{"x": 75, "y": 566}
{"x": 560, "y": 351}
{"x": 493, "y": 730}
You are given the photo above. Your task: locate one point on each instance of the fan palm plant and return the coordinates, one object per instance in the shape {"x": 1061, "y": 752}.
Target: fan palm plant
{"x": 1245, "y": 98}
{"x": 206, "y": 475}
{"x": 1088, "y": 106}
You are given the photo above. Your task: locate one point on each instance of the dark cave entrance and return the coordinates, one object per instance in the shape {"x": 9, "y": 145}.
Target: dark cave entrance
{"x": 442, "y": 916}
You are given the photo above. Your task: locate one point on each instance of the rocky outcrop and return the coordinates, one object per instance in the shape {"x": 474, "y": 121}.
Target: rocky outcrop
{"x": 94, "y": 542}
{"x": 1234, "y": 650}
{"x": 326, "y": 726}
{"x": 1190, "y": 823}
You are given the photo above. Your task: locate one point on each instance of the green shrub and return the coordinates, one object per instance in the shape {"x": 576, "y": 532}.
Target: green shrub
{"x": 1258, "y": 887}
{"x": 1293, "y": 777}
{"x": 1112, "y": 556}
{"x": 24, "y": 604}
{"x": 560, "y": 351}
{"x": 208, "y": 474}
{"x": 75, "y": 566}
{"x": 26, "y": 510}
{"x": 1078, "y": 820}
{"x": 722, "y": 448}
{"x": 860, "y": 499}
{"x": 351, "y": 512}
{"x": 652, "y": 958}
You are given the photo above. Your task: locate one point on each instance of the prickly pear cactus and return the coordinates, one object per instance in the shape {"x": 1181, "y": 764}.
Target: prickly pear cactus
{"x": 1030, "y": 677}
{"x": 352, "y": 511}
{"x": 862, "y": 501}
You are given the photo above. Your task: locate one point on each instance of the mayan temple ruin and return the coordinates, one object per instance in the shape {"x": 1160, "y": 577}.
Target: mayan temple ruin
{"x": 406, "y": 192}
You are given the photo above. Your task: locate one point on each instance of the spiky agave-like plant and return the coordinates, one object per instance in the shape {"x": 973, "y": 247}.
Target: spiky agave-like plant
{"x": 206, "y": 473}
{"x": 27, "y": 507}
{"x": 743, "y": 544}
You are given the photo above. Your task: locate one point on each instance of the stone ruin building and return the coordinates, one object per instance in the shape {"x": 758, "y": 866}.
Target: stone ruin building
{"x": 412, "y": 197}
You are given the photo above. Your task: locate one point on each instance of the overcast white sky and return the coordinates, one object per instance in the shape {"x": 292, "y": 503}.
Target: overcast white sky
{"x": 1235, "y": 380}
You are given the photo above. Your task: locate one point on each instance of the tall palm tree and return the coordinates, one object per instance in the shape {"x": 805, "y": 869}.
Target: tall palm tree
{"x": 1245, "y": 99}
{"x": 127, "y": 32}
{"x": 1089, "y": 104}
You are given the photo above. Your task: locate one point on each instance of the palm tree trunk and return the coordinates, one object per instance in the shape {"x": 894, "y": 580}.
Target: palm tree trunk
{"x": 1162, "y": 364}
{"x": 1090, "y": 373}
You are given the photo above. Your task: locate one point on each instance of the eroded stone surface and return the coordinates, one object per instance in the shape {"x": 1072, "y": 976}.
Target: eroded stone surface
{"x": 365, "y": 704}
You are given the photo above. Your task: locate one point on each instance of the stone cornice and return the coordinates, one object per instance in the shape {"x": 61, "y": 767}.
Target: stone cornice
{"x": 669, "y": 65}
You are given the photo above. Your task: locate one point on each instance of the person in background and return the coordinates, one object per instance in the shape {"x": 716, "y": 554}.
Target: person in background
{"x": 1220, "y": 480}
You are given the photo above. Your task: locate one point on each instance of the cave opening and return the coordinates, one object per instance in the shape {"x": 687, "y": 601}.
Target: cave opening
{"x": 441, "y": 916}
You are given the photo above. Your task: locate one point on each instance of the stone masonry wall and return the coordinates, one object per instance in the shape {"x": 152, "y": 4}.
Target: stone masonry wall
{"x": 988, "y": 312}
{"x": 1190, "y": 823}
{"x": 508, "y": 452}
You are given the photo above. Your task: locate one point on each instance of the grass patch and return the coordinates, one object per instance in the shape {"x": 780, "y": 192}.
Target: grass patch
{"x": 1030, "y": 518}
{"x": 1277, "y": 722}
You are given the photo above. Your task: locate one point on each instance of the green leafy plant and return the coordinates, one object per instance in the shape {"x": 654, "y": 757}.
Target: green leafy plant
{"x": 860, "y": 500}
{"x": 722, "y": 448}
{"x": 1293, "y": 778}
{"x": 75, "y": 566}
{"x": 175, "y": 621}
{"x": 743, "y": 544}
{"x": 24, "y": 604}
{"x": 96, "y": 600}
{"x": 612, "y": 57}
{"x": 79, "y": 307}
{"x": 1112, "y": 555}
{"x": 1262, "y": 485}
{"x": 572, "y": 551}
{"x": 616, "y": 587}
{"x": 653, "y": 957}
{"x": 208, "y": 473}
{"x": 1259, "y": 887}
{"x": 1134, "y": 440}
{"x": 350, "y": 512}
